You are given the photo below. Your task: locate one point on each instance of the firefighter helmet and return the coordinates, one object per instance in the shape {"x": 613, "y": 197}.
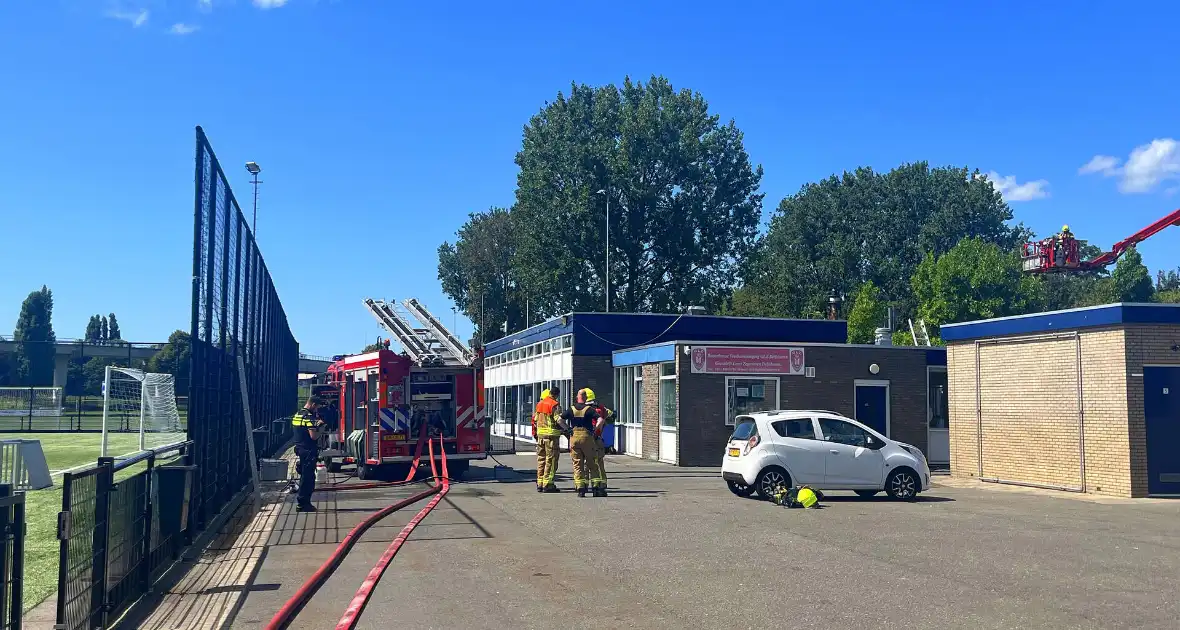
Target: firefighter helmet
{"x": 546, "y": 394}
{"x": 589, "y": 394}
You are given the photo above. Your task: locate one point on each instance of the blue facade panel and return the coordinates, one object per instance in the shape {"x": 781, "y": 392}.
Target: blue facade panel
{"x": 541, "y": 332}
{"x": 603, "y": 333}
{"x": 936, "y": 356}
{"x": 648, "y": 354}
{"x": 1072, "y": 319}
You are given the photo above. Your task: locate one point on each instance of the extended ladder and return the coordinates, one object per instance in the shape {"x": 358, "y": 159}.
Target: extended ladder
{"x": 921, "y": 337}
{"x": 440, "y": 332}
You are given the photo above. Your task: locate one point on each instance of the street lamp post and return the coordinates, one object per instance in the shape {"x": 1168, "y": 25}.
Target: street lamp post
{"x": 607, "y": 197}
{"x": 254, "y": 169}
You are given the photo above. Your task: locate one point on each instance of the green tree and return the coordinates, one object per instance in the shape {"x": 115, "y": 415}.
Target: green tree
{"x": 974, "y": 280}
{"x": 866, "y": 226}
{"x": 104, "y": 331}
{"x": 1167, "y": 280}
{"x": 174, "y": 358}
{"x": 94, "y": 329}
{"x": 1131, "y": 279}
{"x": 113, "y": 333}
{"x": 477, "y": 273}
{"x": 35, "y": 339}
{"x": 683, "y": 200}
{"x": 867, "y": 314}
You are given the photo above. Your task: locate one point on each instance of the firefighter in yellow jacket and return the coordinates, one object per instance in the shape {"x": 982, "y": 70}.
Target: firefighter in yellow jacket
{"x": 547, "y": 428}
{"x": 607, "y": 417}
{"x": 583, "y": 419}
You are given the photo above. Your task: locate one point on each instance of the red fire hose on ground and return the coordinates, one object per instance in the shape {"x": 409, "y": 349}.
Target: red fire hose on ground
{"x": 287, "y": 613}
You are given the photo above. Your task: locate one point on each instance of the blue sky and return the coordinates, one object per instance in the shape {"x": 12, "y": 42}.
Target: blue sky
{"x": 380, "y": 125}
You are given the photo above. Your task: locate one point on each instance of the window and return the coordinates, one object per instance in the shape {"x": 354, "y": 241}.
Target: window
{"x": 668, "y": 394}
{"x": 748, "y": 395}
{"x": 842, "y": 432}
{"x": 546, "y": 347}
{"x": 637, "y": 397}
{"x": 744, "y": 430}
{"x": 937, "y": 400}
{"x": 567, "y": 341}
{"x": 800, "y": 429}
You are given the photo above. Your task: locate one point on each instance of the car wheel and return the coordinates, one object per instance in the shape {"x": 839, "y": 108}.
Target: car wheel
{"x": 867, "y": 493}
{"x": 740, "y": 489}
{"x": 902, "y": 485}
{"x": 770, "y": 480}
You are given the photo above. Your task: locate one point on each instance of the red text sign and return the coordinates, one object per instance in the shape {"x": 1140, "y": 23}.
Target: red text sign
{"x": 747, "y": 360}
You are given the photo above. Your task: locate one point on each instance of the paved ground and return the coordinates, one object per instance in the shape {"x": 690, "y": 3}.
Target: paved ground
{"x": 672, "y": 548}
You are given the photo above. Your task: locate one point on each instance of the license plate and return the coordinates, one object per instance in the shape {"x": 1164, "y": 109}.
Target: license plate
{"x": 393, "y": 437}
{"x": 733, "y": 452}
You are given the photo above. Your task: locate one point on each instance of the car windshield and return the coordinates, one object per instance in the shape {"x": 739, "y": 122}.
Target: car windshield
{"x": 744, "y": 430}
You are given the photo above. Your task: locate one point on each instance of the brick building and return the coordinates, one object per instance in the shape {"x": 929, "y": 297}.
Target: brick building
{"x": 680, "y": 398}
{"x": 574, "y": 351}
{"x": 1086, "y": 400}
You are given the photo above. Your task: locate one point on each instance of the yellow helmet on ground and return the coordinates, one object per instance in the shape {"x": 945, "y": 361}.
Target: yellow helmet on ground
{"x": 806, "y": 497}
{"x": 589, "y": 394}
{"x": 546, "y": 394}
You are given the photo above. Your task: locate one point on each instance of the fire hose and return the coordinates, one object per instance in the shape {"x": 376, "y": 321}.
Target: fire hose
{"x": 291, "y": 608}
{"x": 389, "y": 484}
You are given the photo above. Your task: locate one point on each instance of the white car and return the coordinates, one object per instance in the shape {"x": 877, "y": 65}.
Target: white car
{"x": 821, "y": 449}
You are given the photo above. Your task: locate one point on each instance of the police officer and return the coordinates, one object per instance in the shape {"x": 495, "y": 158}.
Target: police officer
{"x": 306, "y": 424}
{"x": 606, "y": 417}
{"x": 547, "y": 429}
{"x": 582, "y": 419}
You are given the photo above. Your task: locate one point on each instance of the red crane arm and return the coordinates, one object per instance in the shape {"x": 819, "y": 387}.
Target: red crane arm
{"x": 1117, "y": 250}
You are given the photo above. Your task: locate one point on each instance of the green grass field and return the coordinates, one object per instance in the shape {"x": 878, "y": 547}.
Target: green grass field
{"x": 62, "y": 451}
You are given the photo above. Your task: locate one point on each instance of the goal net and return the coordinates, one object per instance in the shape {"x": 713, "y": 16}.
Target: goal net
{"x": 31, "y": 402}
{"x": 140, "y": 402}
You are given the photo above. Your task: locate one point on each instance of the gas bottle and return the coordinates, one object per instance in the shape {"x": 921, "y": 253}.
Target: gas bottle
{"x": 321, "y": 473}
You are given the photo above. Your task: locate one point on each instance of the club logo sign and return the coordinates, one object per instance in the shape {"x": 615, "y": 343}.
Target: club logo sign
{"x": 748, "y": 360}
{"x": 698, "y": 359}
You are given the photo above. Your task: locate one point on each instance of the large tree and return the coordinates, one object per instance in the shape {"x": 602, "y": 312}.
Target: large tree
{"x": 35, "y": 339}
{"x": 867, "y": 314}
{"x": 974, "y": 280}
{"x": 174, "y": 358}
{"x": 866, "y": 226}
{"x": 1130, "y": 279}
{"x": 682, "y": 194}
{"x": 113, "y": 332}
{"x": 94, "y": 329}
{"x": 477, "y": 273}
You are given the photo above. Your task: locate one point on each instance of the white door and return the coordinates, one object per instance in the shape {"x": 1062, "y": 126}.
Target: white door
{"x": 800, "y": 453}
{"x": 668, "y": 444}
{"x": 634, "y": 443}
{"x": 938, "y": 435}
{"x": 850, "y": 463}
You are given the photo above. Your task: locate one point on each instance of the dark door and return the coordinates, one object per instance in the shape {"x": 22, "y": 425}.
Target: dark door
{"x": 1161, "y": 408}
{"x": 872, "y": 407}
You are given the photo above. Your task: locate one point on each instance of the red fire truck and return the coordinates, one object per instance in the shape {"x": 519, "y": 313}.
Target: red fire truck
{"x": 392, "y": 403}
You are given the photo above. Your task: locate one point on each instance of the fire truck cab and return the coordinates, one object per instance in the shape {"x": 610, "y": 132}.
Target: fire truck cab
{"x": 392, "y": 403}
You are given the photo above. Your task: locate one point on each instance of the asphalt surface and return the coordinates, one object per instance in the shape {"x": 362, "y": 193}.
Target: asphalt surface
{"x": 672, "y": 548}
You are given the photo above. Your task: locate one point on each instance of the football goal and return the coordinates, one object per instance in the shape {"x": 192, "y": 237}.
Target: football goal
{"x": 143, "y": 402}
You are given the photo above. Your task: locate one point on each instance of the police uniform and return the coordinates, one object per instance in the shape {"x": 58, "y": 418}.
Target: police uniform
{"x": 307, "y": 450}
{"x": 581, "y": 418}
{"x": 548, "y": 436}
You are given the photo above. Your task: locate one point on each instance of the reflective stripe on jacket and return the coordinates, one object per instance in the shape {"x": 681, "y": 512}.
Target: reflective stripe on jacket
{"x": 545, "y": 418}
{"x": 303, "y": 418}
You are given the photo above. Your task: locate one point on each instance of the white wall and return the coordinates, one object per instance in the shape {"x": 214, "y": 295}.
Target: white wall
{"x": 554, "y": 366}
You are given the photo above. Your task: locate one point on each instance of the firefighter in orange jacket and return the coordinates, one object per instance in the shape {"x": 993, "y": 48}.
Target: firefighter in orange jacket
{"x": 607, "y": 417}
{"x": 548, "y": 427}
{"x": 583, "y": 419}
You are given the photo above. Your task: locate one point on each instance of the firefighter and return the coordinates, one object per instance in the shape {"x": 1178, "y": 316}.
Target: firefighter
{"x": 582, "y": 419}
{"x": 548, "y": 428}
{"x": 606, "y": 416}
{"x": 306, "y": 424}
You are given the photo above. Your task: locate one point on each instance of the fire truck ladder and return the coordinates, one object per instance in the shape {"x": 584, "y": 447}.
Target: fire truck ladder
{"x": 457, "y": 348}
{"x": 921, "y": 337}
{"x": 415, "y": 345}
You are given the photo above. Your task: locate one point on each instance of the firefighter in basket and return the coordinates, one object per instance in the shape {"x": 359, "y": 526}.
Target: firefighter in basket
{"x": 307, "y": 425}
{"x": 583, "y": 420}
{"x": 548, "y": 428}
{"x": 607, "y": 418}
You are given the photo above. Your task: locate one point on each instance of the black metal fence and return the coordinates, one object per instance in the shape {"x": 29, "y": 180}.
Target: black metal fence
{"x": 12, "y": 556}
{"x": 235, "y": 313}
{"x": 122, "y": 524}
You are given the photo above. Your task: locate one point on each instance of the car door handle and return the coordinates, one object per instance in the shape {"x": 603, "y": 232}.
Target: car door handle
{"x": 834, "y": 452}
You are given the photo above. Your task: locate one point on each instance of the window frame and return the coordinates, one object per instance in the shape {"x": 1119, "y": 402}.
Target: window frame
{"x": 664, "y": 378}
{"x": 827, "y": 438}
{"x": 729, "y": 420}
{"x": 810, "y": 420}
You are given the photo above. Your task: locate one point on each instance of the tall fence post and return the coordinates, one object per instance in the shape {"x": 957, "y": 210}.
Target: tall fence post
{"x": 5, "y": 492}
{"x": 102, "y": 516}
{"x": 145, "y": 566}
{"x": 16, "y": 534}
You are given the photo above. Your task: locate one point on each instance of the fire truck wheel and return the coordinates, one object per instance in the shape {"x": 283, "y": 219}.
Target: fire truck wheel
{"x": 365, "y": 471}
{"x": 333, "y": 465}
{"x": 456, "y": 470}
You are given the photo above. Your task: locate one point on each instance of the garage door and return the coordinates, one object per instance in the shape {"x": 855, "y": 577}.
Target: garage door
{"x": 1028, "y": 411}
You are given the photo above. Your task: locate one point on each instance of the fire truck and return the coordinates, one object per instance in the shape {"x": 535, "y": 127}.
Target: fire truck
{"x": 391, "y": 403}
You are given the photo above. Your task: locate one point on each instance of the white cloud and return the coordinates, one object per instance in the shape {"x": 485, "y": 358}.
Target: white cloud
{"x": 181, "y": 28}
{"x": 136, "y": 18}
{"x": 1013, "y": 191}
{"x": 269, "y": 4}
{"x": 1148, "y": 166}
{"x": 1105, "y": 164}
{"x": 205, "y": 5}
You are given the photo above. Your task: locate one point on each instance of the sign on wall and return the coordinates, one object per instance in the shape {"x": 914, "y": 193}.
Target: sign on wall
{"x": 747, "y": 360}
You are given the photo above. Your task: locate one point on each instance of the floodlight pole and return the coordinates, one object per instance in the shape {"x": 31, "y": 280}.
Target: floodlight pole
{"x": 254, "y": 169}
